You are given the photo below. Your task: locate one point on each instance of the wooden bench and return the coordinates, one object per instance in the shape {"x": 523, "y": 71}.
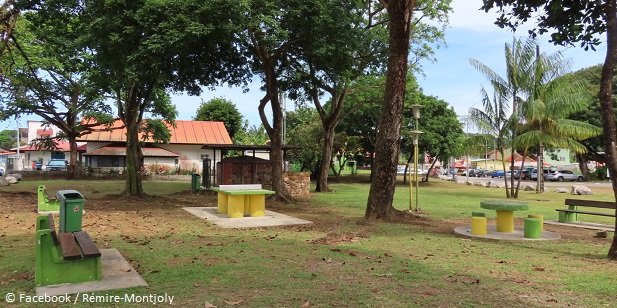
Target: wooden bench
{"x": 235, "y": 200}
{"x": 571, "y": 214}
{"x": 64, "y": 257}
{"x": 46, "y": 203}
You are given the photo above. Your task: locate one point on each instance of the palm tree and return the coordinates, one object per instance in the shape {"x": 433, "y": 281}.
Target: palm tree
{"x": 540, "y": 119}
{"x": 546, "y": 112}
{"x": 495, "y": 121}
{"x": 520, "y": 58}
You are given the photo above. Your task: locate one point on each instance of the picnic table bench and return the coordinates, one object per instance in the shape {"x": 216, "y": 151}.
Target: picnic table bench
{"x": 235, "y": 200}
{"x": 571, "y": 214}
{"x": 64, "y": 257}
{"x": 46, "y": 203}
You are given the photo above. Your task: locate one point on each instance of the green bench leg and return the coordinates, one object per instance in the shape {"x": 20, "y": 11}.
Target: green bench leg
{"x": 569, "y": 217}
{"x": 52, "y": 269}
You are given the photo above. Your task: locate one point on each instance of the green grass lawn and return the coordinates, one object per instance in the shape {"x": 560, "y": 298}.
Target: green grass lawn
{"x": 340, "y": 261}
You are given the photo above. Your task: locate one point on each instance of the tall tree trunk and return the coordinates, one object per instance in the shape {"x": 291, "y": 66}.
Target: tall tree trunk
{"x": 505, "y": 178}
{"x": 73, "y": 172}
{"x": 428, "y": 173}
{"x": 381, "y": 193}
{"x": 326, "y": 159}
{"x": 606, "y": 104}
{"x": 133, "y": 183}
{"x": 581, "y": 159}
{"x": 275, "y": 131}
{"x": 131, "y": 113}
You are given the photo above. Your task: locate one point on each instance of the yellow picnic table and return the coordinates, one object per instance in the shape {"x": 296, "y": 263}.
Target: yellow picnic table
{"x": 235, "y": 200}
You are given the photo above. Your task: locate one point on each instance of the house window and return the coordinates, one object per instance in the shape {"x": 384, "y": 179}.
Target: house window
{"x": 562, "y": 158}
{"x": 109, "y": 161}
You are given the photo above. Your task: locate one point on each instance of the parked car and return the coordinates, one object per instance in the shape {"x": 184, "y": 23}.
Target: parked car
{"x": 512, "y": 173}
{"x": 56, "y": 165}
{"x": 564, "y": 175}
{"x": 483, "y": 173}
{"x": 473, "y": 172}
{"x": 525, "y": 174}
{"x": 534, "y": 174}
{"x": 497, "y": 174}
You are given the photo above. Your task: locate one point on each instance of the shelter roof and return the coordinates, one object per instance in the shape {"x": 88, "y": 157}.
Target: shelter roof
{"x": 62, "y": 146}
{"x": 243, "y": 147}
{"x": 184, "y": 132}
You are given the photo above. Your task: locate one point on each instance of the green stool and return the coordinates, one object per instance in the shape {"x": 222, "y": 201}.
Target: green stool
{"x": 540, "y": 218}
{"x": 533, "y": 228}
{"x": 478, "y": 214}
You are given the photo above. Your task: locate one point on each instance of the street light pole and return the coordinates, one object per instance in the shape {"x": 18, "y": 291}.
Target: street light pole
{"x": 416, "y": 134}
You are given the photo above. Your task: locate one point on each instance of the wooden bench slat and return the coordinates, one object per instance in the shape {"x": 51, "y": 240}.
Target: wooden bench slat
{"x": 70, "y": 250}
{"x": 591, "y": 203}
{"x": 88, "y": 247}
{"x": 589, "y": 213}
{"x": 52, "y": 229}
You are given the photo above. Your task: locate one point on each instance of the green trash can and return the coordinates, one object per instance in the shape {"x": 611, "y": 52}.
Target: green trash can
{"x": 195, "y": 182}
{"x": 71, "y": 210}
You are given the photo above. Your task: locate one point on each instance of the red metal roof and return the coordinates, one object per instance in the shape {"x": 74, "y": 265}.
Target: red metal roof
{"x": 63, "y": 146}
{"x": 519, "y": 157}
{"x": 121, "y": 151}
{"x": 185, "y": 132}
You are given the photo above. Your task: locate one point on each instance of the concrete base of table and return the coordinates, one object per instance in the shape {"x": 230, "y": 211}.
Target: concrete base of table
{"x": 516, "y": 235}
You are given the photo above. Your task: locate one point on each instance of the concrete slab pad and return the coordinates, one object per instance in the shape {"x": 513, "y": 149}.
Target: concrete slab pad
{"x": 272, "y": 219}
{"x": 517, "y": 235}
{"x": 117, "y": 274}
{"x": 580, "y": 224}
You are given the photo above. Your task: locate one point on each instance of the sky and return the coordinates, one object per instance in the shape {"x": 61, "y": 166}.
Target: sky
{"x": 471, "y": 34}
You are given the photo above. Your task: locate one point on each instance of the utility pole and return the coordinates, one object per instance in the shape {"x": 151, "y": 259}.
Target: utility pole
{"x": 18, "y": 163}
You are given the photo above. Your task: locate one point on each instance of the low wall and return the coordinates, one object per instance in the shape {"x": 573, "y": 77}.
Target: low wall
{"x": 297, "y": 184}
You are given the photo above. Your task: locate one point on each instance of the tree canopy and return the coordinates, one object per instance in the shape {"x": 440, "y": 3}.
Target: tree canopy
{"x": 223, "y": 110}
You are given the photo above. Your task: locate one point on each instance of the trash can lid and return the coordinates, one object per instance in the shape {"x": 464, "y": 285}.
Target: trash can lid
{"x": 69, "y": 194}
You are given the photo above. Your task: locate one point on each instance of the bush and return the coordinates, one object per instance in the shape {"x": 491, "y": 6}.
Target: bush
{"x": 599, "y": 174}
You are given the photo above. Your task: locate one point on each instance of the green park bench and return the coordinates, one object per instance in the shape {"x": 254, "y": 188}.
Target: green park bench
{"x": 45, "y": 203}
{"x": 575, "y": 207}
{"x": 64, "y": 257}
{"x": 235, "y": 200}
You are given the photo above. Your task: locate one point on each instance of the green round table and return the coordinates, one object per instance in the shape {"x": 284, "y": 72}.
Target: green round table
{"x": 505, "y": 212}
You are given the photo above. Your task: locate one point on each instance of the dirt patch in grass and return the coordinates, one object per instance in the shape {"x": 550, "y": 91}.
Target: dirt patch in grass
{"x": 151, "y": 216}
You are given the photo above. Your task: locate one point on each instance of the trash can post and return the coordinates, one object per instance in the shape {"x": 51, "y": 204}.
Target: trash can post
{"x": 71, "y": 210}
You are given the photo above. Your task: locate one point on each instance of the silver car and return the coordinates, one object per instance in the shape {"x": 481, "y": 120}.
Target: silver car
{"x": 563, "y": 175}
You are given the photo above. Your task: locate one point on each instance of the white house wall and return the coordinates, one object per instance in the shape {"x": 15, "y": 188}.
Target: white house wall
{"x": 190, "y": 155}
{"x": 189, "y": 159}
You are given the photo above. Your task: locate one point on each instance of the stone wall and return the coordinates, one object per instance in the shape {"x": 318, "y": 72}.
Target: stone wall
{"x": 297, "y": 184}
